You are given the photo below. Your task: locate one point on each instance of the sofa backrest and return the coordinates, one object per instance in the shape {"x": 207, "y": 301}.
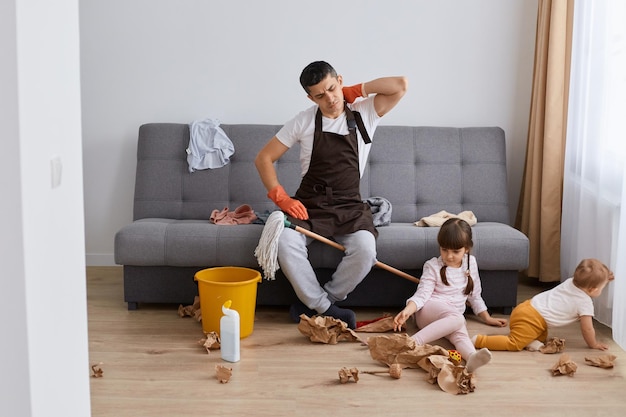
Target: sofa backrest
{"x": 423, "y": 170}
{"x": 420, "y": 170}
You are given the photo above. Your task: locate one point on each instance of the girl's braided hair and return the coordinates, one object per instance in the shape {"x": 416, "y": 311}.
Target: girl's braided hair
{"x": 456, "y": 233}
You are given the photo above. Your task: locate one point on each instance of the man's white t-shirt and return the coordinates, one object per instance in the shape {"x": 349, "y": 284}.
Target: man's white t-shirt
{"x": 301, "y": 129}
{"x": 563, "y": 304}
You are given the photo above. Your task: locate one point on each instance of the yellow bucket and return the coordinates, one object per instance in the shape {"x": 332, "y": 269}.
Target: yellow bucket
{"x": 220, "y": 284}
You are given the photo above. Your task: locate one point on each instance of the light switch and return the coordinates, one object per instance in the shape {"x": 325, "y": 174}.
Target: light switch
{"x": 56, "y": 169}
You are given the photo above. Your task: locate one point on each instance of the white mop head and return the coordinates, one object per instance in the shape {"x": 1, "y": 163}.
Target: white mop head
{"x": 267, "y": 250}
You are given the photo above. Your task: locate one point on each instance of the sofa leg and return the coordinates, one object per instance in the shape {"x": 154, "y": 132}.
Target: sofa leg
{"x": 132, "y": 305}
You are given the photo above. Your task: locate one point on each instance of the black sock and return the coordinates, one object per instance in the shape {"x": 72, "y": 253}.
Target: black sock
{"x": 342, "y": 314}
{"x": 299, "y": 308}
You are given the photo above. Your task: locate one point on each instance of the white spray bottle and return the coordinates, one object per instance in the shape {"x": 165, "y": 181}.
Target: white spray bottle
{"x": 229, "y": 333}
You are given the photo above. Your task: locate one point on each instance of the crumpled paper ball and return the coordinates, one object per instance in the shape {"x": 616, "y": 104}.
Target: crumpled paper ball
{"x": 564, "y": 366}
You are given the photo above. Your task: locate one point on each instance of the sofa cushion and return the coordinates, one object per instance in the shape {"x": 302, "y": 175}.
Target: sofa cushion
{"x": 153, "y": 242}
{"x": 496, "y": 246}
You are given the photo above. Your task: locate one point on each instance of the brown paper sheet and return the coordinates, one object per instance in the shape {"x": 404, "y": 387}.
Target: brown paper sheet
{"x": 602, "y": 361}
{"x": 210, "y": 341}
{"x": 192, "y": 310}
{"x": 97, "y": 370}
{"x": 401, "y": 351}
{"x": 382, "y": 325}
{"x": 554, "y": 345}
{"x": 346, "y": 374}
{"x": 223, "y": 374}
{"x": 325, "y": 329}
{"x": 451, "y": 378}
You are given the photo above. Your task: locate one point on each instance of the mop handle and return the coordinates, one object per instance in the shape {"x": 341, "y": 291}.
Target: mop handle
{"x": 341, "y": 248}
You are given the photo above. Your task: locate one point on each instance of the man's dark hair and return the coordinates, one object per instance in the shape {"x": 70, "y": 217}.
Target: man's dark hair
{"x": 314, "y": 73}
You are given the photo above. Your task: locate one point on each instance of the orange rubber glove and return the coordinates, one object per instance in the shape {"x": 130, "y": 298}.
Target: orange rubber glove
{"x": 287, "y": 204}
{"x": 353, "y": 92}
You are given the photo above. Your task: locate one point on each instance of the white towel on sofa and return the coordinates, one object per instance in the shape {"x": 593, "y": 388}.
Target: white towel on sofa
{"x": 209, "y": 147}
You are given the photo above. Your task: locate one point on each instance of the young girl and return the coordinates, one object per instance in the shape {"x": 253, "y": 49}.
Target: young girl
{"x": 448, "y": 282}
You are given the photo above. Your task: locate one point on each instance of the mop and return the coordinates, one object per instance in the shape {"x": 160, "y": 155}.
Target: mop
{"x": 267, "y": 250}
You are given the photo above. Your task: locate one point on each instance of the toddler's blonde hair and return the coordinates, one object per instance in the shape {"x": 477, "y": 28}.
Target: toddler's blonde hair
{"x": 591, "y": 273}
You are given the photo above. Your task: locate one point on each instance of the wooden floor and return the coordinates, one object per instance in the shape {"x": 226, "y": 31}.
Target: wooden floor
{"x": 152, "y": 366}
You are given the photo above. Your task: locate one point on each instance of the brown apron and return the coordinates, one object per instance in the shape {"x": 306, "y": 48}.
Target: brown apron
{"x": 330, "y": 188}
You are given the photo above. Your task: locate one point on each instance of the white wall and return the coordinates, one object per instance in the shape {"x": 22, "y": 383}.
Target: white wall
{"x": 469, "y": 63}
{"x": 44, "y": 367}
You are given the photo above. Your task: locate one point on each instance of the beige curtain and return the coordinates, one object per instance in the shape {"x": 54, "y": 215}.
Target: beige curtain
{"x": 539, "y": 210}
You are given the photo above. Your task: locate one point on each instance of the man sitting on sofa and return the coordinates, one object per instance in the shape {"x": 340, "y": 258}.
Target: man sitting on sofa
{"x": 335, "y": 139}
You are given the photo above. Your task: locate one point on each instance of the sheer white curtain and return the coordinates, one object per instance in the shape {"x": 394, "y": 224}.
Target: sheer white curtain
{"x": 594, "y": 186}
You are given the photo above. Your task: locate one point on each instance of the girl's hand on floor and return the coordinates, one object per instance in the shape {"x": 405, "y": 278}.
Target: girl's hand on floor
{"x": 492, "y": 321}
{"x": 399, "y": 320}
{"x": 496, "y": 322}
{"x": 403, "y": 316}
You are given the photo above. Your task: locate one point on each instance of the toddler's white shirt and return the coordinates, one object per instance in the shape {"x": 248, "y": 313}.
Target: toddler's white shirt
{"x": 563, "y": 304}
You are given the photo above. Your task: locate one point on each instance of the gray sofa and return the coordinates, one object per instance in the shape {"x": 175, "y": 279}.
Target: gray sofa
{"x": 420, "y": 170}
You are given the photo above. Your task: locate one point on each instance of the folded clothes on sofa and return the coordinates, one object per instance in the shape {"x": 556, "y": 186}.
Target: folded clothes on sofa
{"x": 242, "y": 215}
{"x": 381, "y": 210}
{"x": 439, "y": 218}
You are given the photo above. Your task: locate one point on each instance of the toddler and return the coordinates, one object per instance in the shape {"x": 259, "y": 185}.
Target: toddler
{"x": 564, "y": 304}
